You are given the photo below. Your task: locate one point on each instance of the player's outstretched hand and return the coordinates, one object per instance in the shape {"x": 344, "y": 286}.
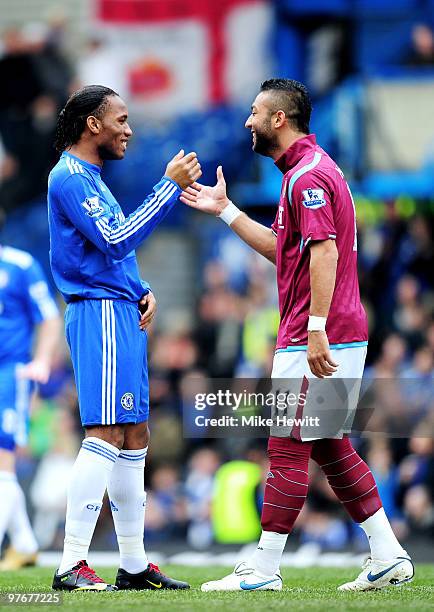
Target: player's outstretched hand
{"x": 184, "y": 169}
{"x": 319, "y": 356}
{"x": 36, "y": 370}
{"x": 148, "y": 308}
{"x": 211, "y": 200}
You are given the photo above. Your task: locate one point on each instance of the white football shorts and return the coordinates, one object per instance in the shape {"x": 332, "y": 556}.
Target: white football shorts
{"x": 311, "y": 408}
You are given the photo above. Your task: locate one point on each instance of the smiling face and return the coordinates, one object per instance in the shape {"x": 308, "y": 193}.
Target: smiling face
{"x": 114, "y": 130}
{"x": 260, "y": 123}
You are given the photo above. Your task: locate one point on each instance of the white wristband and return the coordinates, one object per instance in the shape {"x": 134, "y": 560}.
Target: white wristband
{"x": 229, "y": 213}
{"x": 316, "y": 323}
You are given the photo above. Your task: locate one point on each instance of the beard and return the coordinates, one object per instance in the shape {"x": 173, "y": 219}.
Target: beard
{"x": 106, "y": 152}
{"x": 265, "y": 143}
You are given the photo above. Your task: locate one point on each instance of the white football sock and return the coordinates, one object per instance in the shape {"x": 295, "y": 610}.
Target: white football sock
{"x": 382, "y": 540}
{"x": 266, "y": 558}
{"x": 87, "y": 485}
{"x": 128, "y": 503}
{"x": 19, "y": 528}
{"x": 8, "y": 495}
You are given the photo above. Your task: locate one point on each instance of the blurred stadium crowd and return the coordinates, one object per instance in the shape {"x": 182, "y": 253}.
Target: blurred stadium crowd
{"x": 229, "y": 331}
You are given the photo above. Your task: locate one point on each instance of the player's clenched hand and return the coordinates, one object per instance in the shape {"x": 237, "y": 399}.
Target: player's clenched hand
{"x": 184, "y": 169}
{"x": 319, "y": 356}
{"x": 148, "y": 308}
{"x": 36, "y": 370}
{"x": 211, "y": 200}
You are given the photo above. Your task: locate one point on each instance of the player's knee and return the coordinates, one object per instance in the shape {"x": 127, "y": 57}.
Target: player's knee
{"x": 113, "y": 434}
{"x": 137, "y": 436}
{"x": 287, "y": 453}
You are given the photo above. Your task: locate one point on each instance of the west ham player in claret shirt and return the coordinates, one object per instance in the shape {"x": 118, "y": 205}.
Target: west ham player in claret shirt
{"x": 322, "y": 334}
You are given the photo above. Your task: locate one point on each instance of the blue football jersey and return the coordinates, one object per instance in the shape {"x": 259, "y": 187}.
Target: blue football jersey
{"x": 25, "y": 301}
{"x": 92, "y": 244}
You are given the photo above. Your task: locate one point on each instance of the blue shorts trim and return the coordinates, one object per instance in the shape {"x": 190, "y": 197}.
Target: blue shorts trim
{"x": 108, "y": 352}
{"x": 343, "y": 345}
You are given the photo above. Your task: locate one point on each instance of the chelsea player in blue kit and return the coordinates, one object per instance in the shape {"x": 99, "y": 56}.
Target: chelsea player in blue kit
{"x": 108, "y": 308}
{"x": 26, "y": 306}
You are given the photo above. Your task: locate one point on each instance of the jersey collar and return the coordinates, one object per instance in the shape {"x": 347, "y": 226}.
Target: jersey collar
{"x": 86, "y": 164}
{"x": 295, "y": 152}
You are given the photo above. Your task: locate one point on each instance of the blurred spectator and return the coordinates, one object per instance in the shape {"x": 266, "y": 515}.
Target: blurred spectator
{"x": 380, "y": 460}
{"x": 199, "y": 485}
{"x": 418, "y": 383}
{"x": 419, "y": 508}
{"x": 410, "y": 316}
{"x": 259, "y": 333}
{"x": 422, "y": 53}
{"x": 49, "y": 501}
{"x": 165, "y": 510}
{"x": 219, "y": 326}
{"x": 391, "y": 360}
{"x": 36, "y": 80}
{"x": 418, "y": 251}
{"x": 324, "y": 529}
{"x": 416, "y": 478}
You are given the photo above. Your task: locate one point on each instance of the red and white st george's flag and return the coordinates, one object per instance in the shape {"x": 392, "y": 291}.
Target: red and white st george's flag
{"x": 171, "y": 56}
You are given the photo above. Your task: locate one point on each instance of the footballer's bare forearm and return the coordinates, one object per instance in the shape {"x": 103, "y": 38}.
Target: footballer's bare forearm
{"x": 48, "y": 338}
{"x": 323, "y": 264}
{"x": 257, "y": 236}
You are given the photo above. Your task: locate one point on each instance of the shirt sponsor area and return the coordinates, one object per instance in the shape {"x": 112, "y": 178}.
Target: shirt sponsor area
{"x": 308, "y": 408}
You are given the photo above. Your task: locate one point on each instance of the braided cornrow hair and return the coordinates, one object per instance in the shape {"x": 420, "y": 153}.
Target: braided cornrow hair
{"x": 90, "y": 100}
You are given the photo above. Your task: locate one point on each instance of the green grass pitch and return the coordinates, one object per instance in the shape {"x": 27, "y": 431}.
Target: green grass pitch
{"x": 304, "y": 590}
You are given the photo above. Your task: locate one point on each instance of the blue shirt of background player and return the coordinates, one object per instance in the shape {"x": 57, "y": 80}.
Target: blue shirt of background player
{"x": 25, "y": 301}
{"x": 92, "y": 244}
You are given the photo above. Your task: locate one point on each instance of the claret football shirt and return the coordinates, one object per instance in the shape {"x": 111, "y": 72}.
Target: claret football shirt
{"x": 315, "y": 204}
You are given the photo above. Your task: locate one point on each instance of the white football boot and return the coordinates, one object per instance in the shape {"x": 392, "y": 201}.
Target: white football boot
{"x": 244, "y": 578}
{"x": 380, "y": 574}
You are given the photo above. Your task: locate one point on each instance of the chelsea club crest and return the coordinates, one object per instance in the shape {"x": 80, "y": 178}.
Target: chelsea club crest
{"x": 127, "y": 401}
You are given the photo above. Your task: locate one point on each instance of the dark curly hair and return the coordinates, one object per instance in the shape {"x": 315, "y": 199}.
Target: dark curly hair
{"x": 293, "y": 98}
{"x": 90, "y": 100}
